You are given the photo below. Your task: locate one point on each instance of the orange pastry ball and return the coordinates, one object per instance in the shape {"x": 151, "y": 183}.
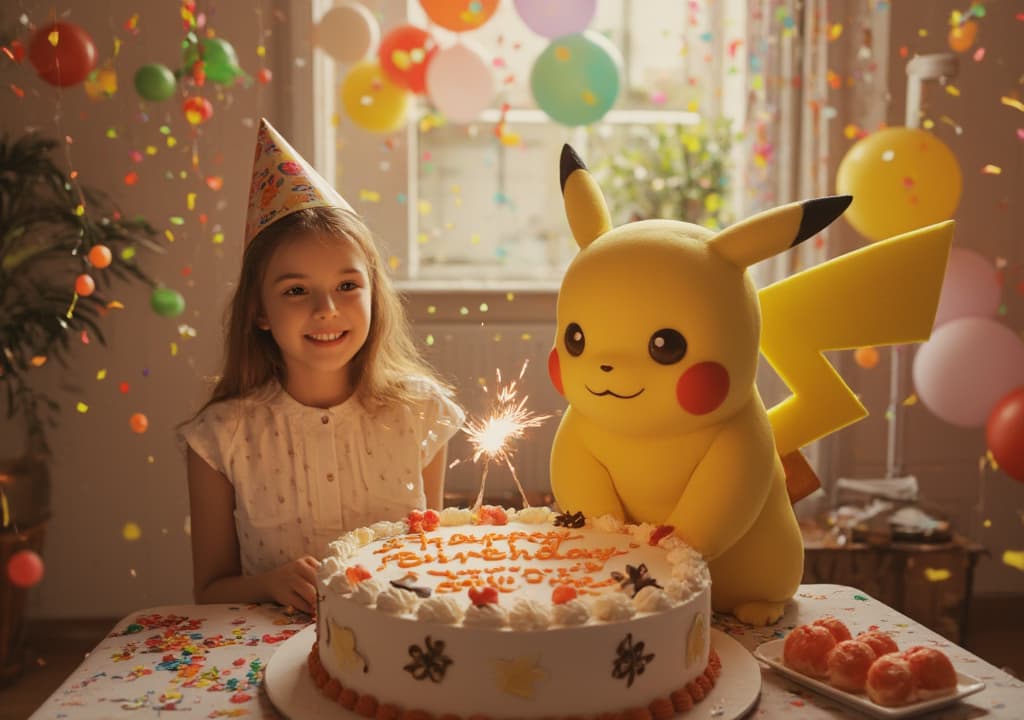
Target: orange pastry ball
{"x": 848, "y": 664}
{"x": 881, "y": 642}
{"x": 890, "y": 681}
{"x": 933, "y": 673}
{"x": 835, "y": 626}
{"x": 806, "y": 650}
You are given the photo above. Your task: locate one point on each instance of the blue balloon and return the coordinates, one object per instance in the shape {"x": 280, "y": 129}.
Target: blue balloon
{"x": 576, "y": 79}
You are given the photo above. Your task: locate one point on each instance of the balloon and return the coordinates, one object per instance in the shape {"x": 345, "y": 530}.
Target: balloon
{"x": 460, "y": 83}
{"x": 25, "y": 568}
{"x": 154, "y": 81}
{"x": 1004, "y": 433}
{"x": 554, "y": 19}
{"x": 576, "y": 79}
{"x": 459, "y": 15}
{"x": 404, "y": 54}
{"x": 962, "y": 37}
{"x": 970, "y": 288}
{"x": 220, "y": 62}
{"x": 167, "y": 302}
{"x": 85, "y": 285}
{"x": 372, "y": 101}
{"x": 197, "y": 110}
{"x": 62, "y": 53}
{"x": 901, "y": 179}
{"x": 100, "y": 256}
{"x": 866, "y": 357}
{"x": 966, "y": 366}
{"x": 348, "y": 32}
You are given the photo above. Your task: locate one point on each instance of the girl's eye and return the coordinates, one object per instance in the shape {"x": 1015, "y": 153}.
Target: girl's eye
{"x": 297, "y": 290}
{"x": 348, "y": 285}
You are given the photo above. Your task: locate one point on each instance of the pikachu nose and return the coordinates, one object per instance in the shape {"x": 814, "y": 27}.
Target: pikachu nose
{"x": 607, "y": 368}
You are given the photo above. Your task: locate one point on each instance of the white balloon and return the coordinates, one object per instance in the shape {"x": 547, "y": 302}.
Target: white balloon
{"x": 460, "y": 83}
{"x": 348, "y": 32}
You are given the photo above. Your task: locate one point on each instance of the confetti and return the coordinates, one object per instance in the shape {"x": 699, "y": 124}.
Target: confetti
{"x": 1014, "y": 558}
{"x": 991, "y": 170}
{"x": 131, "y": 531}
{"x": 937, "y": 575}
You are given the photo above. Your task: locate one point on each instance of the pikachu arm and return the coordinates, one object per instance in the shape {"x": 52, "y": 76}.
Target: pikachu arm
{"x": 579, "y": 482}
{"x": 729, "y": 486}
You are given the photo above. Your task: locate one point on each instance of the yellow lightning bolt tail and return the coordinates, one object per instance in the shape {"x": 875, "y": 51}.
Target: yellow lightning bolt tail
{"x": 883, "y": 294}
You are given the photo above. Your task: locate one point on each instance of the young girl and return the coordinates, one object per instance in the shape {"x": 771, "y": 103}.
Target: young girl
{"x": 324, "y": 418}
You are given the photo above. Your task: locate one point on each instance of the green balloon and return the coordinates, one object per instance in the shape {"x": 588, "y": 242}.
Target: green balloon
{"x": 154, "y": 81}
{"x": 167, "y": 302}
{"x": 220, "y": 62}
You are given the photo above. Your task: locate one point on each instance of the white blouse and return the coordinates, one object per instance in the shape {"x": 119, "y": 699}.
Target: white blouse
{"x": 305, "y": 475}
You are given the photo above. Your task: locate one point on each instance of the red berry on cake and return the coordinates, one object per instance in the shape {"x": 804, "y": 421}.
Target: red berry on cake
{"x": 662, "y": 531}
{"x": 890, "y": 681}
{"x": 415, "y": 520}
{"x": 483, "y": 596}
{"x": 835, "y": 626}
{"x": 934, "y": 675}
{"x": 806, "y": 650}
{"x": 431, "y": 520}
{"x": 881, "y": 642}
{"x": 356, "y": 574}
{"x": 848, "y": 664}
{"x": 492, "y": 515}
{"x": 563, "y": 594}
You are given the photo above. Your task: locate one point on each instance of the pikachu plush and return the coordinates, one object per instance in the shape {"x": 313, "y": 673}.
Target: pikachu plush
{"x": 656, "y": 350}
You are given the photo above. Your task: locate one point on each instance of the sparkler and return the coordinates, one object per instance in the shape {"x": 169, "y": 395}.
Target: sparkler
{"x": 491, "y": 436}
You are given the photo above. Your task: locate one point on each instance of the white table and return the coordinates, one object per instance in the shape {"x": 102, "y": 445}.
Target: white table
{"x": 208, "y": 660}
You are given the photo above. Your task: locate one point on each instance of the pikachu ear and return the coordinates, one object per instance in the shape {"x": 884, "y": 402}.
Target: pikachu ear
{"x": 772, "y": 231}
{"x": 584, "y": 204}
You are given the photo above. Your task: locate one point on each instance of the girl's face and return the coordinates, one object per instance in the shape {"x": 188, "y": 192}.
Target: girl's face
{"x": 316, "y": 303}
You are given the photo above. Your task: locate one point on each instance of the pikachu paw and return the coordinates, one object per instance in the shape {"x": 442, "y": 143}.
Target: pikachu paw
{"x": 759, "y": 613}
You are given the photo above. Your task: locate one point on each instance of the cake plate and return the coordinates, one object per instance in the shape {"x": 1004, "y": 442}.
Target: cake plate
{"x": 295, "y": 696}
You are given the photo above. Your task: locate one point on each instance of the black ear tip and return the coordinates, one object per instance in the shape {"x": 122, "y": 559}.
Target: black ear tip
{"x": 570, "y": 163}
{"x": 819, "y": 214}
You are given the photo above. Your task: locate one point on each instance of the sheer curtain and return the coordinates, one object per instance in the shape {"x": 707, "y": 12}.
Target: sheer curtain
{"x": 815, "y": 70}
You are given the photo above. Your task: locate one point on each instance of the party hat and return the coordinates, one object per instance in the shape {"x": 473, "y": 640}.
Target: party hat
{"x": 283, "y": 182}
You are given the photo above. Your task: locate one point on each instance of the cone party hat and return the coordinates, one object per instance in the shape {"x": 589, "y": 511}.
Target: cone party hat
{"x": 283, "y": 182}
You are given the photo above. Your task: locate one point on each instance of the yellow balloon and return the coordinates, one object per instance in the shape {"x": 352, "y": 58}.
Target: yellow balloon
{"x": 372, "y": 101}
{"x": 900, "y": 179}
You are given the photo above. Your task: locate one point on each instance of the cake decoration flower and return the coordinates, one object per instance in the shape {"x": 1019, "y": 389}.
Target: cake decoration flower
{"x": 483, "y": 596}
{"x": 429, "y": 664}
{"x": 636, "y": 575}
{"x": 570, "y": 520}
{"x": 630, "y": 660}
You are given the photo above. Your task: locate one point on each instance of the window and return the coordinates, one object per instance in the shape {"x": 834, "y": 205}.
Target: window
{"x": 464, "y": 205}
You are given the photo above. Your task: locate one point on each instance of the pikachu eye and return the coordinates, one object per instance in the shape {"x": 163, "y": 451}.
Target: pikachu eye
{"x": 574, "y": 340}
{"x": 667, "y": 346}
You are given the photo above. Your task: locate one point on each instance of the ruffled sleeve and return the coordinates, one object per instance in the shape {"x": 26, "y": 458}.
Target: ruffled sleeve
{"x": 440, "y": 418}
{"x": 210, "y": 433}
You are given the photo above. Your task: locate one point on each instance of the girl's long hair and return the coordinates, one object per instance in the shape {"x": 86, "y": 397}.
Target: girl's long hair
{"x": 379, "y": 369}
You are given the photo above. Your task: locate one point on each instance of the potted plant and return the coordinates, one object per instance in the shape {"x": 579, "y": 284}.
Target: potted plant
{"x": 61, "y": 244}
{"x": 669, "y": 171}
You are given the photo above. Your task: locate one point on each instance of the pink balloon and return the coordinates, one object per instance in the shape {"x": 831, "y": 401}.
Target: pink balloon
{"x": 552, "y": 19}
{"x": 966, "y": 367}
{"x": 970, "y": 288}
{"x": 460, "y": 83}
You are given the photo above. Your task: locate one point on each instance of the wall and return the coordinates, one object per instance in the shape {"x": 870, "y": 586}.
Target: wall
{"x": 944, "y": 458}
{"x": 104, "y": 475}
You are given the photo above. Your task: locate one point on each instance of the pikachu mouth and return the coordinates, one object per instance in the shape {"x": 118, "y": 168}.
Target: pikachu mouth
{"x": 613, "y": 394}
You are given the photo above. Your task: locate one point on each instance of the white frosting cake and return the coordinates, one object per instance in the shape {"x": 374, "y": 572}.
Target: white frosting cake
{"x": 512, "y": 614}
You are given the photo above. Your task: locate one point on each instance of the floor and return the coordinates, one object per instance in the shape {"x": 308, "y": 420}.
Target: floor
{"x": 996, "y": 634}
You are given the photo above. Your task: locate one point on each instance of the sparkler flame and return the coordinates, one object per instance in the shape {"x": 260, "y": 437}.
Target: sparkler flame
{"x": 491, "y": 437}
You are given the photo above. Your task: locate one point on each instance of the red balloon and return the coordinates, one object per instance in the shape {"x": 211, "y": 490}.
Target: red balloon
{"x": 70, "y": 61}
{"x": 404, "y": 54}
{"x": 1004, "y": 433}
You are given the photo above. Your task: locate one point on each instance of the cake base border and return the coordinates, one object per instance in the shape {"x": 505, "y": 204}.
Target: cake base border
{"x": 293, "y": 692}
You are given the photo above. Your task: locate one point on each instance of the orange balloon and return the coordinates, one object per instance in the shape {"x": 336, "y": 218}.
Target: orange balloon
{"x": 85, "y": 285}
{"x": 139, "y": 423}
{"x": 459, "y": 15}
{"x": 963, "y": 36}
{"x": 866, "y": 357}
{"x": 100, "y": 256}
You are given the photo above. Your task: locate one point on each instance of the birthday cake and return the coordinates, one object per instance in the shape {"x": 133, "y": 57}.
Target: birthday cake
{"x": 503, "y": 613}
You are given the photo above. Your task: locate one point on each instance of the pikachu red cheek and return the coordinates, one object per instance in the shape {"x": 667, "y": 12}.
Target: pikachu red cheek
{"x": 702, "y": 388}
{"x": 555, "y": 371}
